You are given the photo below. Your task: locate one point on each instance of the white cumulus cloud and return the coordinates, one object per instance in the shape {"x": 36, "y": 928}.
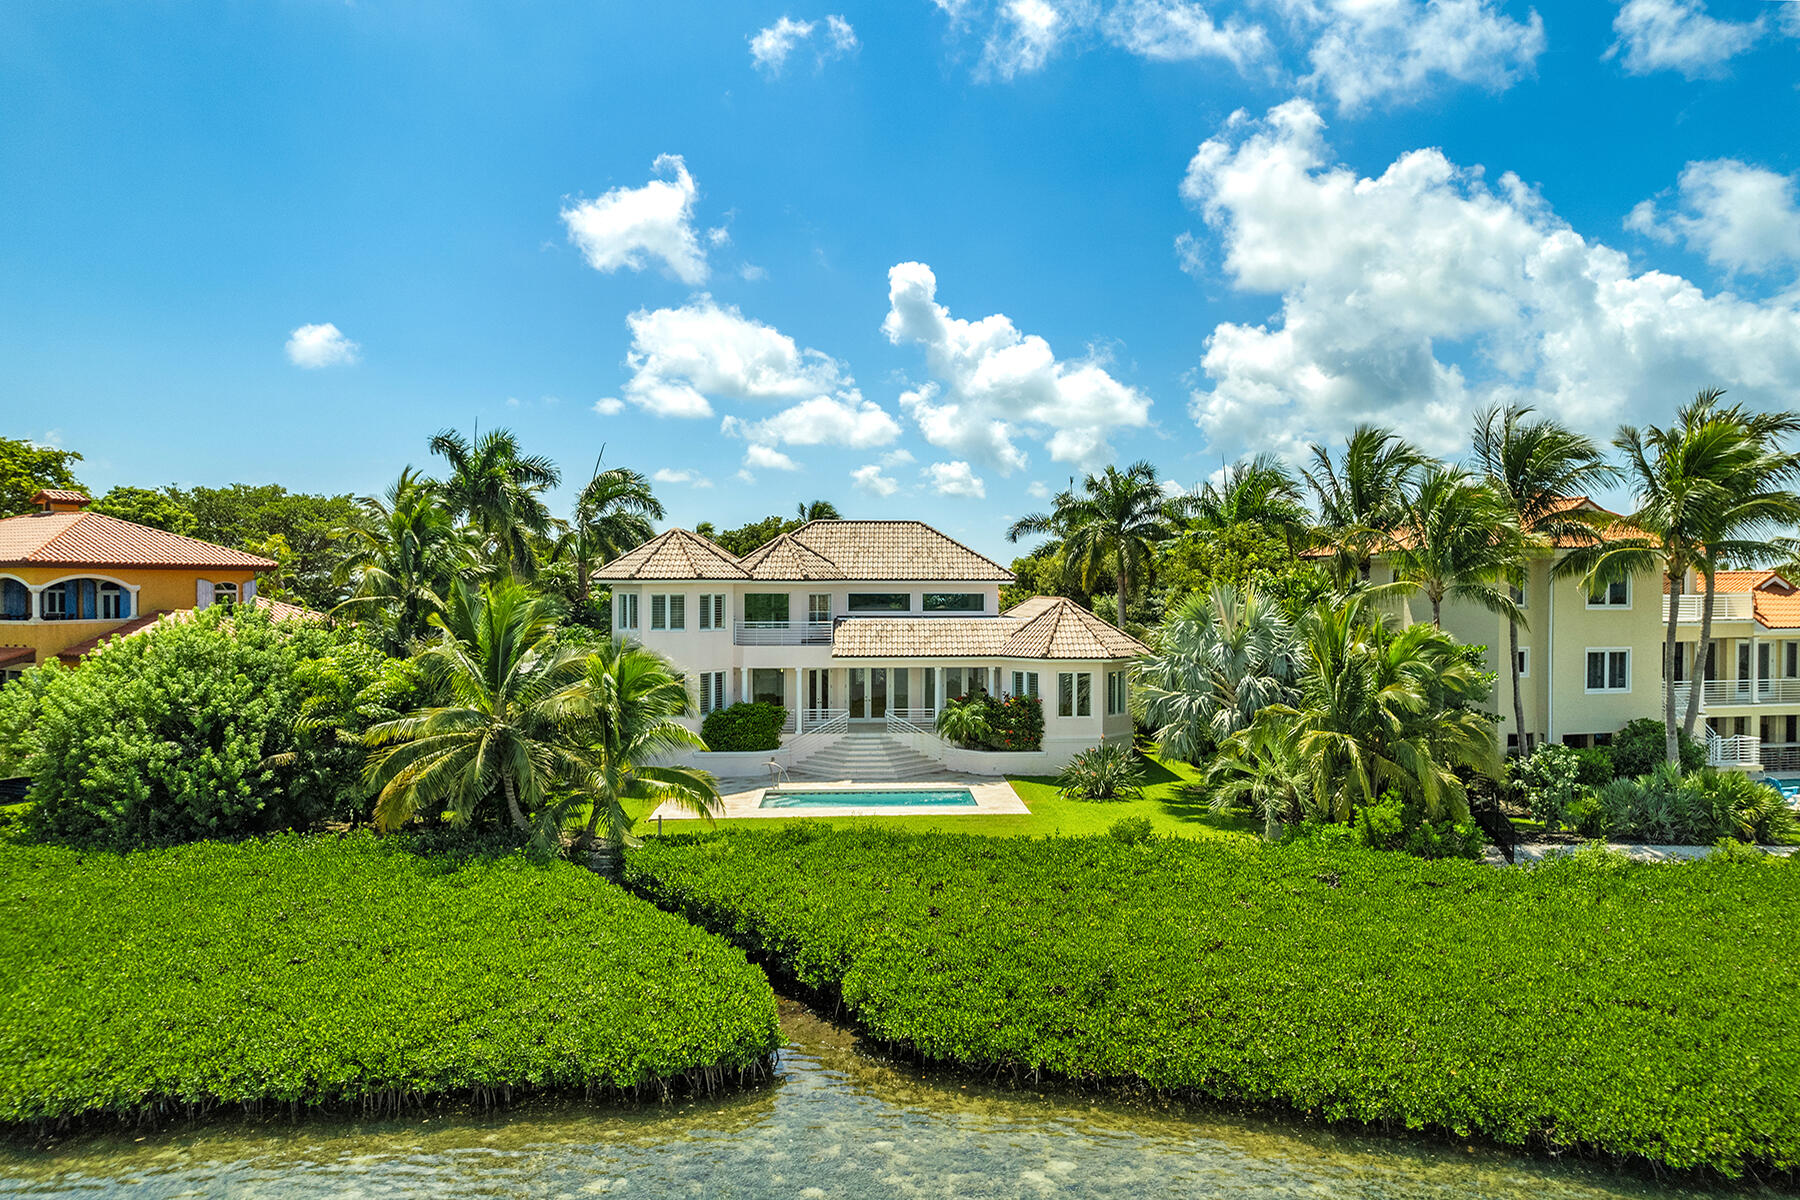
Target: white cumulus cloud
{"x": 844, "y": 420}
{"x": 630, "y": 227}
{"x": 1411, "y": 297}
{"x": 1742, "y": 217}
{"x": 609, "y": 406}
{"x": 955, "y": 479}
{"x": 769, "y": 458}
{"x": 670, "y": 475}
{"x": 993, "y": 384}
{"x": 870, "y": 479}
{"x": 684, "y": 358}
{"x": 314, "y": 346}
{"x": 1368, "y": 51}
{"x": 773, "y": 45}
{"x": 1678, "y": 35}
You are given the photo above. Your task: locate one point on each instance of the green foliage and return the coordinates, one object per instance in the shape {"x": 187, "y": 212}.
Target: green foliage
{"x": 1014, "y": 723}
{"x": 1107, "y": 772}
{"x": 144, "y": 506}
{"x": 26, "y": 468}
{"x": 1222, "y": 657}
{"x": 1593, "y": 766}
{"x": 1132, "y": 831}
{"x": 743, "y": 726}
{"x": 748, "y": 537}
{"x": 188, "y": 731}
{"x": 964, "y": 719}
{"x": 247, "y": 516}
{"x": 305, "y": 971}
{"x": 1394, "y": 823}
{"x": 1640, "y": 747}
{"x": 1695, "y": 809}
{"x": 1550, "y": 779}
{"x": 1561, "y": 1006}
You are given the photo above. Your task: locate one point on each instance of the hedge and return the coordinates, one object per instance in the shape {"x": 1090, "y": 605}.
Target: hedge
{"x": 1632, "y": 1010}
{"x": 743, "y": 726}
{"x": 350, "y": 973}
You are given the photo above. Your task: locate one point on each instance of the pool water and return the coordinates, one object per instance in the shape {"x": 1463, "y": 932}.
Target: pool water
{"x": 872, "y": 798}
{"x": 1789, "y": 787}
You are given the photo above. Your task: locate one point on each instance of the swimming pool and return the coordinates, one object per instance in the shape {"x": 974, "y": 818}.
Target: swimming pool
{"x": 1788, "y": 786}
{"x": 871, "y": 798}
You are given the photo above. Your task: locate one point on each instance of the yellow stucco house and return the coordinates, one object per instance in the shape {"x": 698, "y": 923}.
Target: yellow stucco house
{"x": 69, "y": 579}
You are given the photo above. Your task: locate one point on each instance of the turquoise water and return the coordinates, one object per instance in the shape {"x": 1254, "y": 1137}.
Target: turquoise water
{"x": 835, "y": 1123}
{"x": 873, "y": 798}
{"x": 1789, "y": 786}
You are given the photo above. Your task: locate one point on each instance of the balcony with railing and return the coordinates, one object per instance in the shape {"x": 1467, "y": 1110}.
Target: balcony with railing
{"x": 782, "y": 633}
{"x": 1725, "y": 693}
{"x": 1727, "y": 606}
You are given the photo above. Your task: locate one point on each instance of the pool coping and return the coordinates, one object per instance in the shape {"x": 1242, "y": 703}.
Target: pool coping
{"x": 993, "y": 797}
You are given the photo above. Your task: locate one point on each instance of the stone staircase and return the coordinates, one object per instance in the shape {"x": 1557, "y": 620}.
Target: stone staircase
{"x": 867, "y": 757}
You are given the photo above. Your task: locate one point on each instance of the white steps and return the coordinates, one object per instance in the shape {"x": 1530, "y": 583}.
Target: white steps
{"x": 867, "y": 758}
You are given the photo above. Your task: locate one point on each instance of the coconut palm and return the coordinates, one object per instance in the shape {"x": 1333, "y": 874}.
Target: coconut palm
{"x": 624, "y": 712}
{"x": 613, "y": 514}
{"x": 1377, "y": 709}
{"x": 1254, "y": 491}
{"x": 1540, "y": 469}
{"x": 1359, "y": 495}
{"x": 1114, "y": 523}
{"x": 1682, "y": 477}
{"x": 1222, "y": 657}
{"x": 963, "y": 720}
{"x": 818, "y": 510}
{"x": 500, "y": 728}
{"x": 496, "y": 489}
{"x": 1760, "y": 503}
{"x": 1455, "y": 537}
{"x": 405, "y": 552}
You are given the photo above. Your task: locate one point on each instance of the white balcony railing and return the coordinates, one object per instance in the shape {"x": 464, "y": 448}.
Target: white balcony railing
{"x": 1727, "y": 606}
{"x": 1741, "y": 751}
{"x": 783, "y": 633}
{"x": 1723, "y": 693}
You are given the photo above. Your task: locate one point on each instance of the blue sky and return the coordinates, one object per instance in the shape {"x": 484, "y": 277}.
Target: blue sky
{"x": 921, "y": 258}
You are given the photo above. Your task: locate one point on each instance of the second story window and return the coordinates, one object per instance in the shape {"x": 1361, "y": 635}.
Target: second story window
{"x": 668, "y": 612}
{"x": 626, "y": 610}
{"x": 1614, "y": 595}
{"x": 961, "y": 602}
{"x": 1609, "y": 670}
{"x": 865, "y": 602}
{"x": 766, "y": 608}
{"x": 712, "y": 611}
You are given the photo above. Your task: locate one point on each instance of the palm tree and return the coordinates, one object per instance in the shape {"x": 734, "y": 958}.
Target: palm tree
{"x": 1760, "y": 503}
{"x": 1359, "y": 497}
{"x": 1539, "y": 468}
{"x": 496, "y": 489}
{"x": 1682, "y": 477}
{"x": 1455, "y": 537}
{"x": 623, "y": 712}
{"x": 405, "y": 554}
{"x": 501, "y": 727}
{"x": 1114, "y": 523}
{"x": 818, "y": 510}
{"x": 1254, "y": 491}
{"x": 1223, "y": 656}
{"x": 613, "y": 514}
{"x": 1378, "y": 709}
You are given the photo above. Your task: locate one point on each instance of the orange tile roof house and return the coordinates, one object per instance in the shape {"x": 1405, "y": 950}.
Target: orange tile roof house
{"x": 70, "y": 579}
{"x": 864, "y": 629}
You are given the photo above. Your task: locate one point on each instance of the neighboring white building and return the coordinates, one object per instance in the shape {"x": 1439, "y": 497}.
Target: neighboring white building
{"x": 870, "y": 625}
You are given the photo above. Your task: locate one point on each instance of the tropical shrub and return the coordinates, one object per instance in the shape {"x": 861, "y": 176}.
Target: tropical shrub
{"x": 1106, "y": 772}
{"x": 352, "y": 971}
{"x": 1695, "y": 809}
{"x": 1132, "y": 831}
{"x": 1358, "y": 987}
{"x": 1222, "y": 657}
{"x": 192, "y": 729}
{"x": 1394, "y": 823}
{"x": 743, "y": 726}
{"x": 1549, "y": 780}
{"x": 1593, "y": 766}
{"x": 1641, "y": 746}
{"x": 964, "y": 720}
{"x": 978, "y": 721}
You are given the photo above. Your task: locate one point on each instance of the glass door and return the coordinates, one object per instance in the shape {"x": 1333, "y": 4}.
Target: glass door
{"x": 878, "y": 692}
{"x": 859, "y": 693}
{"x": 901, "y": 688}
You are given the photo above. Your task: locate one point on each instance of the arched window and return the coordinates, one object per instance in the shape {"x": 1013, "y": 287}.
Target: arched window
{"x": 15, "y": 601}
{"x": 84, "y": 600}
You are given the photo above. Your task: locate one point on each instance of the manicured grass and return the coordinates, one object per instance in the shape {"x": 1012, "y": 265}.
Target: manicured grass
{"x": 1170, "y": 803}
{"x": 1628, "y": 1009}
{"x": 315, "y": 971}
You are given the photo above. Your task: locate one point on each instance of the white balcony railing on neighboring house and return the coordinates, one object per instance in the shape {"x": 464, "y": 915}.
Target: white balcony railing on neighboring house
{"x": 1722, "y": 693}
{"x": 1728, "y": 606}
{"x": 783, "y": 633}
{"x": 1741, "y": 751}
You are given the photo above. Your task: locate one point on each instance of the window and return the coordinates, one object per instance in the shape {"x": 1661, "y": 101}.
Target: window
{"x": 1792, "y": 653}
{"x": 1524, "y": 662}
{"x": 712, "y": 692}
{"x": 115, "y": 602}
{"x": 1025, "y": 683}
{"x": 768, "y": 686}
{"x": 818, "y": 608}
{"x": 1074, "y": 694}
{"x": 1115, "y": 693}
{"x": 1519, "y": 597}
{"x": 1609, "y": 670}
{"x": 677, "y": 612}
{"x": 225, "y": 593}
{"x": 954, "y": 602}
{"x": 1613, "y": 595}
{"x": 931, "y": 687}
{"x": 626, "y": 605}
{"x": 54, "y": 603}
{"x": 766, "y": 608}
{"x": 659, "y": 612}
{"x": 15, "y": 601}
{"x": 712, "y": 612}
{"x": 880, "y": 602}
{"x": 953, "y": 683}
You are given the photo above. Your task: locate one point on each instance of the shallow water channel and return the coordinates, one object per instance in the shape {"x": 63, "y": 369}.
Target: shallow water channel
{"x": 835, "y": 1123}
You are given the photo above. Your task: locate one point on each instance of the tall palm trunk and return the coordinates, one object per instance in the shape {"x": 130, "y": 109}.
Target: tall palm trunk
{"x": 512, "y": 802}
{"x": 1671, "y": 743}
{"x": 1121, "y": 590}
{"x": 1512, "y": 641}
{"x": 1706, "y": 618}
{"x": 1437, "y": 610}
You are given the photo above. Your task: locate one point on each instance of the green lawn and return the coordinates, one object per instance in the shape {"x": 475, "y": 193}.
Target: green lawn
{"x": 1171, "y": 804}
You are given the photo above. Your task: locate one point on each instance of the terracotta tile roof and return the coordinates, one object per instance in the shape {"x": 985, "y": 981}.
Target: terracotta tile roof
{"x": 1728, "y": 581}
{"x": 12, "y": 656}
{"x": 89, "y": 539}
{"x": 281, "y": 610}
{"x": 894, "y": 551}
{"x": 789, "y": 558}
{"x": 137, "y": 624}
{"x": 60, "y": 496}
{"x": 675, "y": 554}
{"x": 1042, "y": 628}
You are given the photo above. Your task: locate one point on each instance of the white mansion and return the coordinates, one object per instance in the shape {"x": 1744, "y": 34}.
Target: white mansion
{"x": 855, "y": 626}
